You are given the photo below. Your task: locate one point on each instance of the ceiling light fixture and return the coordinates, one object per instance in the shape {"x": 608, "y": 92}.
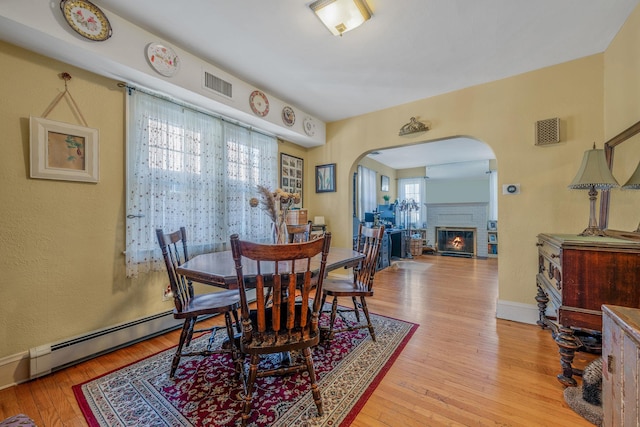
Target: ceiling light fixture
{"x": 340, "y": 16}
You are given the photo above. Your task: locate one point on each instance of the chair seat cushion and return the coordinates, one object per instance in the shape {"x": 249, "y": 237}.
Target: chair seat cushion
{"x": 338, "y": 288}
{"x": 211, "y": 303}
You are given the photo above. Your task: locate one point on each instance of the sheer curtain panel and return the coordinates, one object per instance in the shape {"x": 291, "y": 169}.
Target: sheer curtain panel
{"x": 367, "y": 190}
{"x": 189, "y": 168}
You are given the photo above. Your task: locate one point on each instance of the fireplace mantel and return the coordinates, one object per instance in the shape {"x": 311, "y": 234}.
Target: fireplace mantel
{"x": 459, "y": 215}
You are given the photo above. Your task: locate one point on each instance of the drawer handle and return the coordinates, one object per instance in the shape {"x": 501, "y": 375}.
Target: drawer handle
{"x": 539, "y": 244}
{"x": 555, "y": 256}
{"x": 610, "y": 363}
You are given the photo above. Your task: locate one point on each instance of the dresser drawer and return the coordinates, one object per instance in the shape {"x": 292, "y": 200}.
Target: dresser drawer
{"x": 549, "y": 265}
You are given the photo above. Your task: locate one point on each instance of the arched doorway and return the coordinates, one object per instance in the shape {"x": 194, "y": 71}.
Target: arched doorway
{"x": 454, "y": 181}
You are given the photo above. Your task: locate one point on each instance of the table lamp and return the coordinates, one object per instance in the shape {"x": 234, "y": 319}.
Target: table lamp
{"x": 594, "y": 174}
{"x": 634, "y": 184}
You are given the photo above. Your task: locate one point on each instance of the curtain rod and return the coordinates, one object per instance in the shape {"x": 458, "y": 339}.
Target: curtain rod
{"x": 183, "y": 104}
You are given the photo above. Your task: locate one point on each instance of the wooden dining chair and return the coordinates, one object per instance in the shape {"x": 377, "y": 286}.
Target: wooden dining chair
{"x": 299, "y": 232}
{"x": 368, "y": 242}
{"x": 288, "y": 324}
{"x": 190, "y": 307}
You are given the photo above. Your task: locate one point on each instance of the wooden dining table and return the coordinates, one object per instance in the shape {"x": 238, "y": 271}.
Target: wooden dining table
{"x": 218, "y": 268}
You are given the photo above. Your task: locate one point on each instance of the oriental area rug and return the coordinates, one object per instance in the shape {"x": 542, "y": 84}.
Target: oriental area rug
{"x": 205, "y": 392}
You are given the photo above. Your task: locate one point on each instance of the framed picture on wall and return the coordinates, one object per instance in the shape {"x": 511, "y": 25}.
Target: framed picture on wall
{"x": 384, "y": 183}
{"x": 63, "y": 151}
{"x": 291, "y": 175}
{"x": 326, "y": 178}
{"x": 492, "y": 225}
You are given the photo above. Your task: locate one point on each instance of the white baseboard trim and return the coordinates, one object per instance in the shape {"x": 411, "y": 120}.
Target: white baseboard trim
{"x": 14, "y": 369}
{"x": 517, "y": 311}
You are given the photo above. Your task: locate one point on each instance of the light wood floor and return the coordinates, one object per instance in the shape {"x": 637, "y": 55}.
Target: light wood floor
{"x": 462, "y": 367}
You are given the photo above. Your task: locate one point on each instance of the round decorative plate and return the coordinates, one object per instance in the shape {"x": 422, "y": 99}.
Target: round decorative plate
{"x": 288, "y": 116}
{"x": 86, "y": 19}
{"x": 259, "y": 103}
{"x": 309, "y": 126}
{"x": 163, "y": 59}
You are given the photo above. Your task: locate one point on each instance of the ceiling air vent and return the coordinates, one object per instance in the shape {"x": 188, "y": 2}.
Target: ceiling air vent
{"x": 216, "y": 84}
{"x": 548, "y": 131}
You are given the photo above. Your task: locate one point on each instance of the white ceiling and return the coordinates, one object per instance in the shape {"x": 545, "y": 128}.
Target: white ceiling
{"x": 448, "y": 151}
{"x": 409, "y": 50}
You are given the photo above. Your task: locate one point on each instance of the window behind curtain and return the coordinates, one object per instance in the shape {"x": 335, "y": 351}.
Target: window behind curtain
{"x": 413, "y": 188}
{"x": 367, "y": 191}
{"x": 187, "y": 168}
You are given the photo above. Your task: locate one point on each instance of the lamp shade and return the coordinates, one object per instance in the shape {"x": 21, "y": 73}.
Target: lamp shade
{"x": 340, "y": 16}
{"x": 594, "y": 172}
{"x": 634, "y": 182}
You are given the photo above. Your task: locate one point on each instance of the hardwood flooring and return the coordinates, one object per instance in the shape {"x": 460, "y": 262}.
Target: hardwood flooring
{"x": 462, "y": 367}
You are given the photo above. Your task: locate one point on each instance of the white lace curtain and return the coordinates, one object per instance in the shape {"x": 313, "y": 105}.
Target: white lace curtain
{"x": 367, "y": 191}
{"x": 188, "y": 168}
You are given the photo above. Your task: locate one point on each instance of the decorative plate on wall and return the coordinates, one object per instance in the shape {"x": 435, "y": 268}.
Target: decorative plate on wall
{"x": 163, "y": 59}
{"x": 86, "y": 19}
{"x": 288, "y": 116}
{"x": 309, "y": 126}
{"x": 259, "y": 103}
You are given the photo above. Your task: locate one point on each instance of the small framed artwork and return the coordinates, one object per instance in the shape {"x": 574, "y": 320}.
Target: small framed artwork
{"x": 63, "y": 151}
{"x": 291, "y": 173}
{"x": 493, "y": 238}
{"x": 384, "y": 183}
{"x": 492, "y": 225}
{"x": 326, "y": 178}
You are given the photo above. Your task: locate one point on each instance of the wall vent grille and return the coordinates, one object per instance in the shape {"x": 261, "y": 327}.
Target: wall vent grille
{"x": 218, "y": 85}
{"x": 548, "y": 131}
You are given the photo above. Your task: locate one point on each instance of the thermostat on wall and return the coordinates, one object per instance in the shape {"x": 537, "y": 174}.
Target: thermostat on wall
{"x": 511, "y": 189}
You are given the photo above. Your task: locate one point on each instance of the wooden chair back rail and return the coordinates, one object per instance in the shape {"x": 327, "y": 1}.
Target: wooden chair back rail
{"x": 368, "y": 244}
{"x": 292, "y": 272}
{"x": 190, "y": 307}
{"x": 288, "y": 323}
{"x": 181, "y": 288}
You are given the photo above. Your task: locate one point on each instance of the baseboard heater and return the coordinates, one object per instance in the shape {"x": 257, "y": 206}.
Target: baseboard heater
{"x": 49, "y": 358}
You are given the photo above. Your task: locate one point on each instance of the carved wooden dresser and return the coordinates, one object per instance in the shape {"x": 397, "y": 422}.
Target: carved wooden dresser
{"x": 576, "y": 276}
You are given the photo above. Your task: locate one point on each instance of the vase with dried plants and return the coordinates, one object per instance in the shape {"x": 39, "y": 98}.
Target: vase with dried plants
{"x": 276, "y": 205}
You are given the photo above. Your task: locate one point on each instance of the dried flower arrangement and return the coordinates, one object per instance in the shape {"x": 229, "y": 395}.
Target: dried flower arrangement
{"x": 276, "y": 204}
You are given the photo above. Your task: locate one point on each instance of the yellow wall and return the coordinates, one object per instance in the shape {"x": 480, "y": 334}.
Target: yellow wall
{"x": 61, "y": 254}
{"x": 501, "y": 114}
{"x": 61, "y": 258}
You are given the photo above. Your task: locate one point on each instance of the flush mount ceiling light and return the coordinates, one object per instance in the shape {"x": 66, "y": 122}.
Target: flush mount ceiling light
{"x": 340, "y": 16}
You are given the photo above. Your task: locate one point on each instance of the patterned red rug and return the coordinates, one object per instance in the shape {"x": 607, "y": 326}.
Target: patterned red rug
{"x": 205, "y": 393}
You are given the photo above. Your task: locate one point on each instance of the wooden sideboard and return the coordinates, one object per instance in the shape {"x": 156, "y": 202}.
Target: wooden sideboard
{"x": 621, "y": 357}
{"x": 576, "y": 276}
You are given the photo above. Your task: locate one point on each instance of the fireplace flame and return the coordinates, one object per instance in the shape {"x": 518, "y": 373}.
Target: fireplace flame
{"x": 457, "y": 242}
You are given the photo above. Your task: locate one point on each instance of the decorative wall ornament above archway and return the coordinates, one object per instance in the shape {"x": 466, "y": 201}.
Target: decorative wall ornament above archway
{"x": 414, "y": 126}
